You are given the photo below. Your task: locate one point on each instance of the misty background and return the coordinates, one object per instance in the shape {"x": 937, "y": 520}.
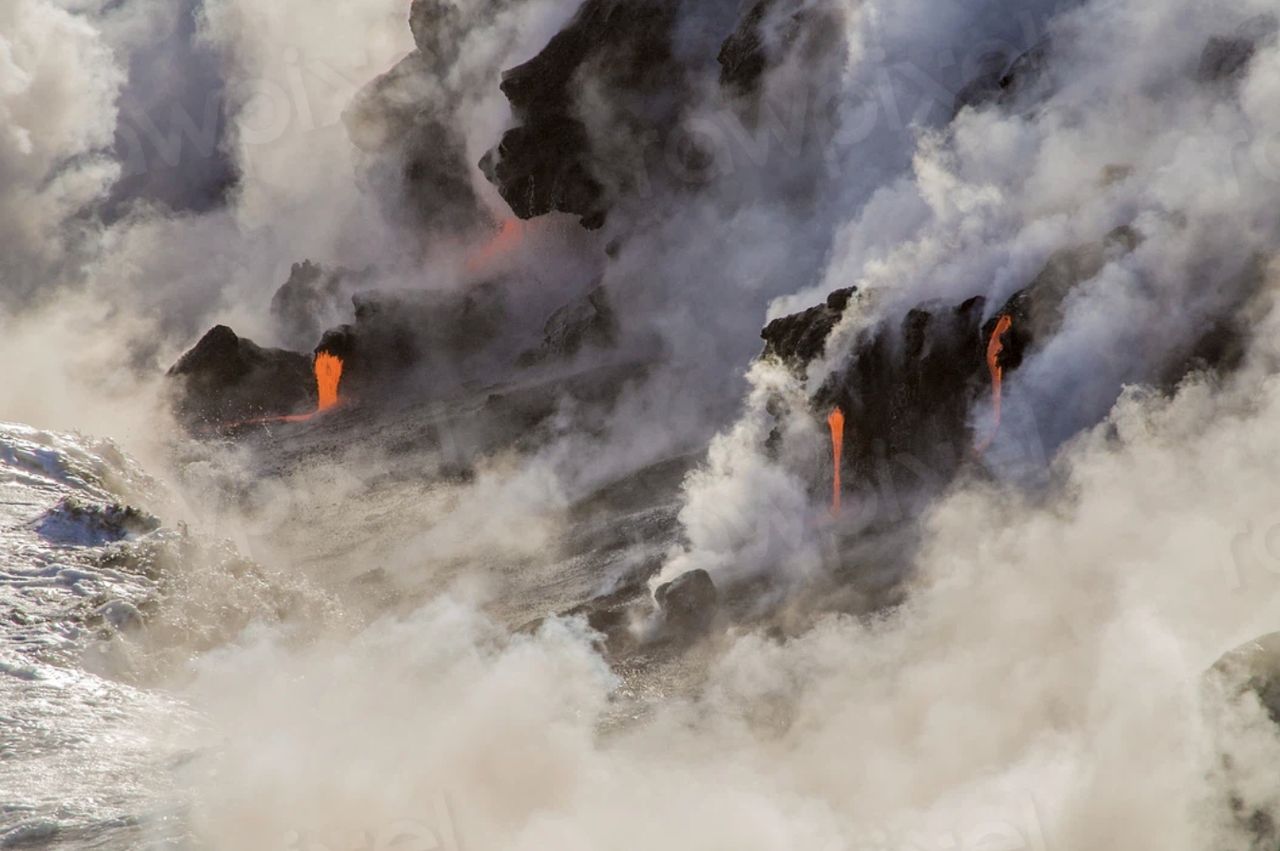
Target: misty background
{"x": 392, "y": 666}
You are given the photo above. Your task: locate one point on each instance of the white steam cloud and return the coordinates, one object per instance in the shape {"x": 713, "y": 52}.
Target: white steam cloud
{"x": 1040, "y": 684}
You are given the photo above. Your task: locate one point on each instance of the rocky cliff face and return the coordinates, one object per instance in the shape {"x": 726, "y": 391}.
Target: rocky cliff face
{"x": 910, "y": 386}
{"x": 405, "y": 125}
{"x": 603, "y": 102}
{"x": 226, "y": 378}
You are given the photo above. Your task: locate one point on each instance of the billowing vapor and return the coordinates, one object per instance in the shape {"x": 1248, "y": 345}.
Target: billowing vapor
{"x": 570, "y": 408}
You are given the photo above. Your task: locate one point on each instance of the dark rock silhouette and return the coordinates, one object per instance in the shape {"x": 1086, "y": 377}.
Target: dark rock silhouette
{"x": 226, "y": 378}
{"x": 1001, "y": 81}
{"x": 688, "y": 602}
{"x": 311, "y": 300}
{"x": 1227, "y": 57}
{"x": 589, "y": 321}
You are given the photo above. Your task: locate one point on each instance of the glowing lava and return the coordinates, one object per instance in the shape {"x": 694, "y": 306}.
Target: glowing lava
{"x": 994, "y": 347}
{"x": 835, "y": 421}
{"x": 328, "y": 374}
{"x": 509, "y": 237}
{"x": 328, "y": 369}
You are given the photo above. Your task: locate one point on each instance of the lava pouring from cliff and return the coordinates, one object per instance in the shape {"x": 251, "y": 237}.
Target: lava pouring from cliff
{"x": 835, "y": 421}
{"x": 995, "y": 345}
{"x": 328, "y": 372}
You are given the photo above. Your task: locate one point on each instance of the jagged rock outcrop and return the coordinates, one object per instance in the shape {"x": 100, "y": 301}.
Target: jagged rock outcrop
{"x": 909, "y": 386}
{"x": 225, "y": 378}
{"x": 405, "y": 125}
{"x": 310, "y": 301}
{"x": 1003, "y": 81}
{"x": 78, "y": 522}
{"x": 767, "y": 32}
{"x": 802, "y": 337}
{"x": 599, "y": 110}
{"x": 744, "y": 55}
{"x": 1227, "y": 57}
{"x": 687, "y": 603}
{"x": 588, "y": 322}
{"x": 549, "y": 161}
{"x": 398, "y": 334}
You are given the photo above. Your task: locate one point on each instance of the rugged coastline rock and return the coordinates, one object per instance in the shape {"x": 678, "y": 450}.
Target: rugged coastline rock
{"x": 227, "y": 378}
{"x": 908, "y": 387}
{"x": 687, "y": 603}
{"x": 802, "y": 337}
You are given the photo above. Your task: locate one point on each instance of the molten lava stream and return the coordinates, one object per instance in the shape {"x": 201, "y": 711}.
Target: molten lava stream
{"x": 994, "y": 347}
{"x": 328, "y": 373}
{"x": 835, "y": 421}
{"x": 328, "y": 370}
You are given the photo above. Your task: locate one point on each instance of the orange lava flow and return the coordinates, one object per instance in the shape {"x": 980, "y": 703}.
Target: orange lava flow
{"x": 328, "y": 369}
{"x": 328, "y": 374}
{"x": 835, "y": 421}
{"x": 994, "y": 347}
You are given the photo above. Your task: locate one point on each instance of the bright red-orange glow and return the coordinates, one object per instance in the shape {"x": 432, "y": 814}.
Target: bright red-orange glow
{"x": 994, "y": 347}
{"x": 328, "y": 370}
{"x": 835, "y": 421}
{"x": 509, "y": 237}
{"x": 328, "y": 373}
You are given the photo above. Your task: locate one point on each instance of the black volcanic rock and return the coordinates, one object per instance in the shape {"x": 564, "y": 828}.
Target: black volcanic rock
{"x": 545, "y": 166}
{"x": 400, "y": 333}
{"x": 405, "y": 125}
{"x": 1224, "y": 57}
{"x": 1227, "y": 57}
{"x": 1002, "y": 81}
{"x": 587, "y": 322}
{"x": 549, "y": 162}
{"x": 226, "y": 378}
{"x": 310, "y": 301}
{"x": 909, "y": 388}
{"x": 743, "y": 57}
{"x": 688, "y": 602}
{"x": 766, "y": 34}
{"x": 910, "y": 385}
{"x": 801, "y": 337}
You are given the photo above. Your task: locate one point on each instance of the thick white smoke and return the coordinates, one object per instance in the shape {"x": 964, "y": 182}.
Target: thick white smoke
{"x": 58, "y": 82}
{"x": 1040, "y": 687}
{"x": 1127, "y": 138}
